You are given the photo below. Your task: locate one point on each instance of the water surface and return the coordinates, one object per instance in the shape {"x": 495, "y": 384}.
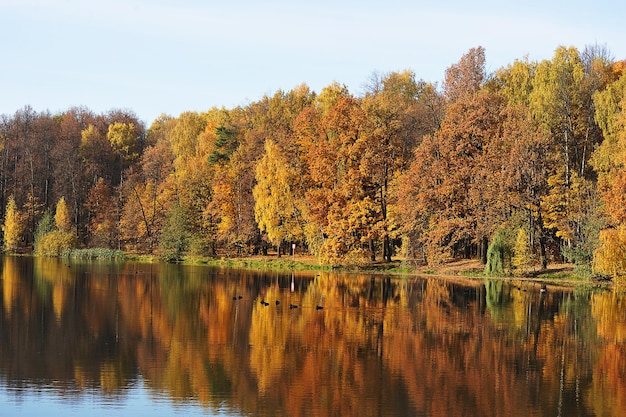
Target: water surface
{"x": 164, "y": 340}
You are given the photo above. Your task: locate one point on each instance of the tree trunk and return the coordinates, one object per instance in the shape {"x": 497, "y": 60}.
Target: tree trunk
{"x": 542, "y": 249}
{"x": 484, "y": 245}
{"x": 387, "y": 249}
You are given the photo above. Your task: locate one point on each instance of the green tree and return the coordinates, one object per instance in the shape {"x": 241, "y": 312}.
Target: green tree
{"x": 174, "y": 239}
{"x": 499, "y": 253}
{"x": 44, "y": 226}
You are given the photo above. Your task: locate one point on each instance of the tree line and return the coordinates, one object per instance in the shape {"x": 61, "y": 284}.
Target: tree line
{"x": 519, "y": 167}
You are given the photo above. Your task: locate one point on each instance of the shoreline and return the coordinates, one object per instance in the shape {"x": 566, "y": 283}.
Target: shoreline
{"x": 469, "y": 269}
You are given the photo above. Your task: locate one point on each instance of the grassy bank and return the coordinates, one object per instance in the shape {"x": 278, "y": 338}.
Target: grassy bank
{"x": 265, "y": 263}
{"x": 555, "y": 273}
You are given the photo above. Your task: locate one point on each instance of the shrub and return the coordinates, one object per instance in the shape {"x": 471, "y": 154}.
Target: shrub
{"x": 95, "y": 253}
{"x": 55, "y": 243}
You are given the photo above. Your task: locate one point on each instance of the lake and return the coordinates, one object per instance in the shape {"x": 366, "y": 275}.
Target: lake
{"x": 132, "y": 339}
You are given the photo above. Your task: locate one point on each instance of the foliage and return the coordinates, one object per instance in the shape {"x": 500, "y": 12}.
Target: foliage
{"x": 581, "y": 254}
{"x": 13, "y": 226}
{"x": 94, "y": 253}
{"x": 537, "y": 146}
{"x": 276, "y": 206}
{"x": 610, "y": 257}
{"x": 174, "y": 239}
{"x": 62, "y": 216}
{"x": 609, "y": 161}
{"x": 101, "y": 207}
{"x": 55, "y": 243}
{"x": 123, "y": 138}
{"x": 500, "y": 253}
{"x": 46, "y": 225}
{"x": 523, "y": 257}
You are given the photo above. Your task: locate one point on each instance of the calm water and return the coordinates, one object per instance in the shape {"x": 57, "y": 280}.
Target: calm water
{"x": 162, "y": 340}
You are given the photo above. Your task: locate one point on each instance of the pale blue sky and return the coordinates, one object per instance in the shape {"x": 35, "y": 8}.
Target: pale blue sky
{"x": 170, "y": 56}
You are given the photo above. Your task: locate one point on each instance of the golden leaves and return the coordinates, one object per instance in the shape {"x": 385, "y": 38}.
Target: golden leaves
{"x": 13, "y": 226}
{"x": 275, "y": 206}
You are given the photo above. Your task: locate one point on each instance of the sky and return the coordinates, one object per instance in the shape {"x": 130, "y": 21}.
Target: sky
{"x": 158, "y": 57}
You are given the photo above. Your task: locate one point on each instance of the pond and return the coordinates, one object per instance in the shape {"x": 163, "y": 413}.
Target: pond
{"x": 163, "y": 340}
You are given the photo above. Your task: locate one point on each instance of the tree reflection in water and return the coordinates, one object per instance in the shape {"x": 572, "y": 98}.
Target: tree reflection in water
{"x": 379, "y": 346}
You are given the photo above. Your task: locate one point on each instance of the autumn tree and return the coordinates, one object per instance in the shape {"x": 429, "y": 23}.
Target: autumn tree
{"x": 522, "y": 259}
{"x": 278, "y": 211}
{"x": 102, "y": 207}
{"x": 97, "y": 154}
{"x": 192, "y": 140}
{"x": 525, "y": 156}
{"x": 392, "y": 131}
{"x": 523, "y": 180}
{"x": 231, "y": 208}
{"x": 466, "y": 76}
{"x": 124, "y": 141}
{"x": 60, "y": 239}
{"x": 13, "y": 226}
{"x": 560, "y": 132}
{"x": 148, "y": 193}
{"x": 71, "y": 177}
{"x": 449, "y": 196}
{"x": 557, "y": 102}
{"x": 62, "y": 216}
{"x": 341, "y": 211}
{"x": 608, "y": 161}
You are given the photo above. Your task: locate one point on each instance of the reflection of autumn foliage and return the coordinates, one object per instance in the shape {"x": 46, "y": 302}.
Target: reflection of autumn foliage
{"x": 609, "y": 309}
{"x": 374, "y": 346}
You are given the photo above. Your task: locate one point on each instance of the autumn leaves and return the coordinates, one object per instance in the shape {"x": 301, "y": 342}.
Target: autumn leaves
{"x": 531, "y": 152}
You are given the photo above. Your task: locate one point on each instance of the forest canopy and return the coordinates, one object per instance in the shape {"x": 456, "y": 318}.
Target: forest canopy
{"x": 526, "y": 164}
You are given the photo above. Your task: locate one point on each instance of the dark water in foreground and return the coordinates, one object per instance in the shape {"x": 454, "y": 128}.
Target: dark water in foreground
{"x": 163, "y": 340}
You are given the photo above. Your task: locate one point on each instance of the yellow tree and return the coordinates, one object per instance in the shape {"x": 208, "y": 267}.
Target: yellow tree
{"x": 232, "y": 204}
{"x": 55, "y": 242}
{"x": 277, "y": 210}
{"x": 13, "y": 226}
{"x": 123, "y": 138}
{"x": 609, "y": 161}
{"x": 62, "y": 216}
{"x": 561, "y": 102}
